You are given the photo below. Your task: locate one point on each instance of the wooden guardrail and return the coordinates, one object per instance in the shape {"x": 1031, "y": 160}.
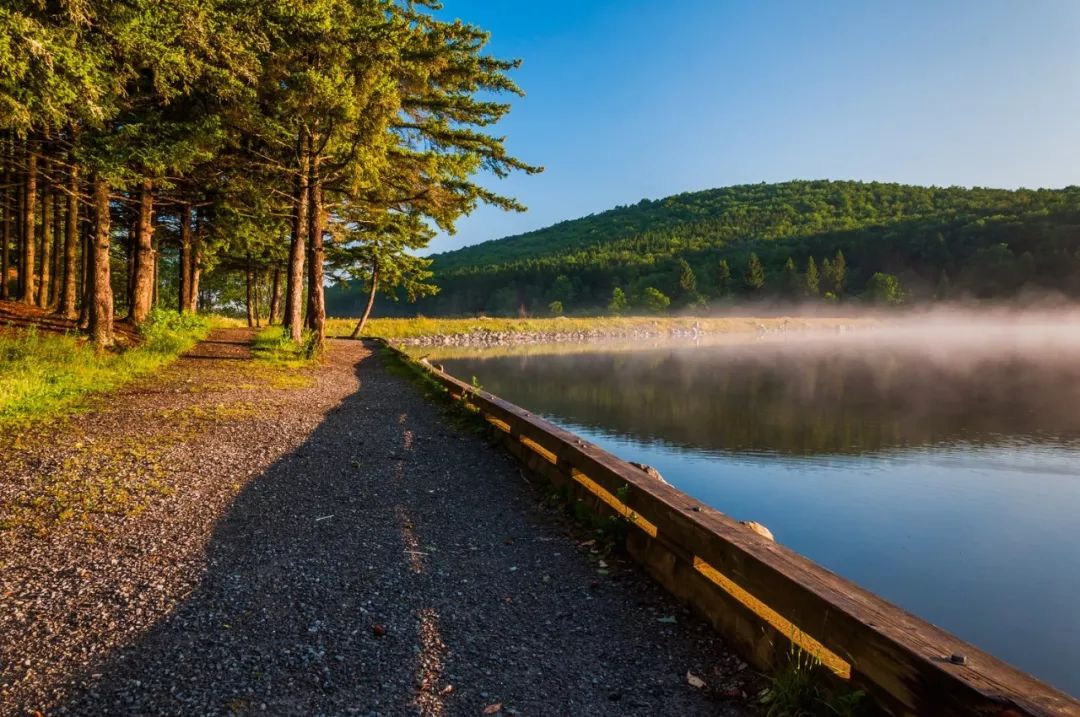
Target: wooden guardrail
{"x": 764, "y": 597}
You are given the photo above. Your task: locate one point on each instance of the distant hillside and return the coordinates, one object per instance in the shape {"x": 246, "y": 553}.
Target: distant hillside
{"x": 927, "y": 242}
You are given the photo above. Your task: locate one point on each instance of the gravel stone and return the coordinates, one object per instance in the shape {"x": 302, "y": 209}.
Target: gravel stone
{"x": 335, "y": 548}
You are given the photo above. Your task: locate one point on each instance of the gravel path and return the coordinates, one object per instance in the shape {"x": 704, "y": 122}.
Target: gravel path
{"x": 329, "y": 545}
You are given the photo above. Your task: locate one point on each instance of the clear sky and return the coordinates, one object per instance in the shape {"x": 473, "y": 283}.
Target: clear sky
{"x": 627, "y": 99}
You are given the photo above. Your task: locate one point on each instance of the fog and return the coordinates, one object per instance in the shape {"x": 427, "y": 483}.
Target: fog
{"x": 919, "y": 379}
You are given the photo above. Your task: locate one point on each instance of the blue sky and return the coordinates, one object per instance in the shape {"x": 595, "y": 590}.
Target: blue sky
{"x": 644, "y": 98}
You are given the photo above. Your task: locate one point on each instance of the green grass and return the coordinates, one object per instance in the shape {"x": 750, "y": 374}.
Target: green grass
{"x": 602, "y": 325}
{"x": 44, "y": 375}
{"x": 803, "y": 688}
{"x": 273, "y": 347}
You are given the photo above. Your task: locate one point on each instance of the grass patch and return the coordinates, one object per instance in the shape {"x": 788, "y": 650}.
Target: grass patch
{"x": 43, "y": 375}
{"x": 274, "y": 347}
{"x": 804, "y": 688}
{"x": 98, "y": 481}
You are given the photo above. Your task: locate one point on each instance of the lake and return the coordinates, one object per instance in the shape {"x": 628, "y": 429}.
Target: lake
{"x": 940, "y": 470}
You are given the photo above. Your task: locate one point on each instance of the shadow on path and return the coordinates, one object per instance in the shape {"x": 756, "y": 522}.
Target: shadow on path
{"x": 396, "y": 565}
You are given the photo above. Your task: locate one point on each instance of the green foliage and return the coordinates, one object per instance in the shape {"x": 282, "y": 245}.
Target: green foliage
{"x": 687, "y": 280}
{"x": 992, "y": 243}
{"x": 754, "y": 277}
{"x": 43, "y": 375}
{"x": 555, "y": 308}
{"x": 562, "y": 290}
{"x": 274, "y": 346}
{"x": 884, "y": 289}
{"x": 838, "y": 273}
{"x": 652, "y": 299}
{"x": 812, "y": 280}
{"x": 723, "y": 278}
{"x": 792, "y": 283}
{"x": 618, "y": 302}
{"x": 803, "y": 689}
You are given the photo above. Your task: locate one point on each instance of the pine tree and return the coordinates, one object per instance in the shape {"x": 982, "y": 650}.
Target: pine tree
{"x": 687, "y": 280}
{"x": 791, "y": 284}
{"x": 723, "y": 277}
{"x": 754, "y": 277}
{"x": 839, "y": 273}
{"x": 812, "y": 282}
{"x": 617, "y": 305}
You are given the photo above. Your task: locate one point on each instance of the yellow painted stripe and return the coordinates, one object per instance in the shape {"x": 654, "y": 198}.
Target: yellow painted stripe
{"x": 827, "y": 657}
{"x": 621, "y": 508}
{"x": 539, "y": 449}
{"x": 812, "y": 647}
{"x": 501, "y": 425}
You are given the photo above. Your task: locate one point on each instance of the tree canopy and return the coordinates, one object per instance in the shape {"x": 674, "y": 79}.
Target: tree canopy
{"x": 169, "y": 141}
{"x": 990, "y": 243}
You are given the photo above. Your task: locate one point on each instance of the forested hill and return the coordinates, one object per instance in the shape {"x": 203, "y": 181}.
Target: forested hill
{"x": 696, "y": 248}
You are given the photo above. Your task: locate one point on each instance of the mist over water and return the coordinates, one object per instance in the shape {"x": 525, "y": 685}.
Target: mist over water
{"x": 934, "y": 459}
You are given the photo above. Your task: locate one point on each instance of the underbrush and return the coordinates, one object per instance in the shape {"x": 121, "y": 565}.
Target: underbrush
{"x": 43, "y": 374}
{"x": 273, "y": 346}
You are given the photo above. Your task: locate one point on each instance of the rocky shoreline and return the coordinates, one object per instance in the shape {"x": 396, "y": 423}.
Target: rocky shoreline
{"x": 484, "y": 337}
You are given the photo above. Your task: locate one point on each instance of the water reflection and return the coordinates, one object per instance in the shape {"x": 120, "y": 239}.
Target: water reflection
{"x": 806, "y": 398}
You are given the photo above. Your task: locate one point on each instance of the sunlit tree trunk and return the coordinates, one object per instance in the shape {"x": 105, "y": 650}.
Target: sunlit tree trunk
{"x": 275, "y": 296}
{"x": 101, "y": 305}
{"x": 46, "y": 233}
{"x": 295, "y": 284}
{"x": 250, "y": 283}
{"x": 370, "y": 301}
{"x": 71, "y": 243}
{"x": 58, "y": 249}
{"x": 186, "y": 259}
{"x": 142, "y": 287}
{"x": 86, "y": 269}
{"x": 9, "y": 205}
{"x": 29, "y": 214}
{"x": 316, "y": 296}
{"x": 157, "y": 269}
{"x": 196, "y": 274}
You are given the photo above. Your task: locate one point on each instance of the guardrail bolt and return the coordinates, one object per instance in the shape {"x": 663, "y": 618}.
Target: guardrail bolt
{"x": 958, "y": 659}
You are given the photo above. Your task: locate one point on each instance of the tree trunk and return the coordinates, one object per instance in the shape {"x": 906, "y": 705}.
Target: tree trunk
{"x": 196, "y": 274}
{"x": 275, "y": 296}
{"x": 250, "y": 282}
{"x": 157, "y": 268}
{"x": 101, "y": 306}
{"x": 258, "y": 299}
{"x": 316, "y": 296}
{"x": 142, "y": 288}
{"x": 129, "y": 256}
{"x": 295, "y": 291}
{"x": 71, "y": 243}
{"x": 195, "y": 271}
{"x": 58, "y": 249}
{"x": 370, "y": 300}
{"x": 46, "y": 242}
{"x": 26, "y": 266}
{"x": 8, "y": 199}
{"x": 46, "y": 236}
{"x": 45, "y": 276}
{"x": 185, "y": 258}
{"x": 87, "y": 270}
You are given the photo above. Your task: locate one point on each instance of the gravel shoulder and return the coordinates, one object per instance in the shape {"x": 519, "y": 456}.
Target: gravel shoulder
{"x": 318, "y": 542}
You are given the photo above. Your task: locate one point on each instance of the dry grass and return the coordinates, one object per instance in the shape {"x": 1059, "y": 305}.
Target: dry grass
{"x": 602, "y": 325}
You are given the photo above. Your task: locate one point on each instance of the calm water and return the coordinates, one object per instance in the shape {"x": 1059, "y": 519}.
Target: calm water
{"x": 946, "y": 478}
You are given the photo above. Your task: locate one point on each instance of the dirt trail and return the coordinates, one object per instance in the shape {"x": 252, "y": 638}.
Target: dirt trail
{"x": 254, "y": 540}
